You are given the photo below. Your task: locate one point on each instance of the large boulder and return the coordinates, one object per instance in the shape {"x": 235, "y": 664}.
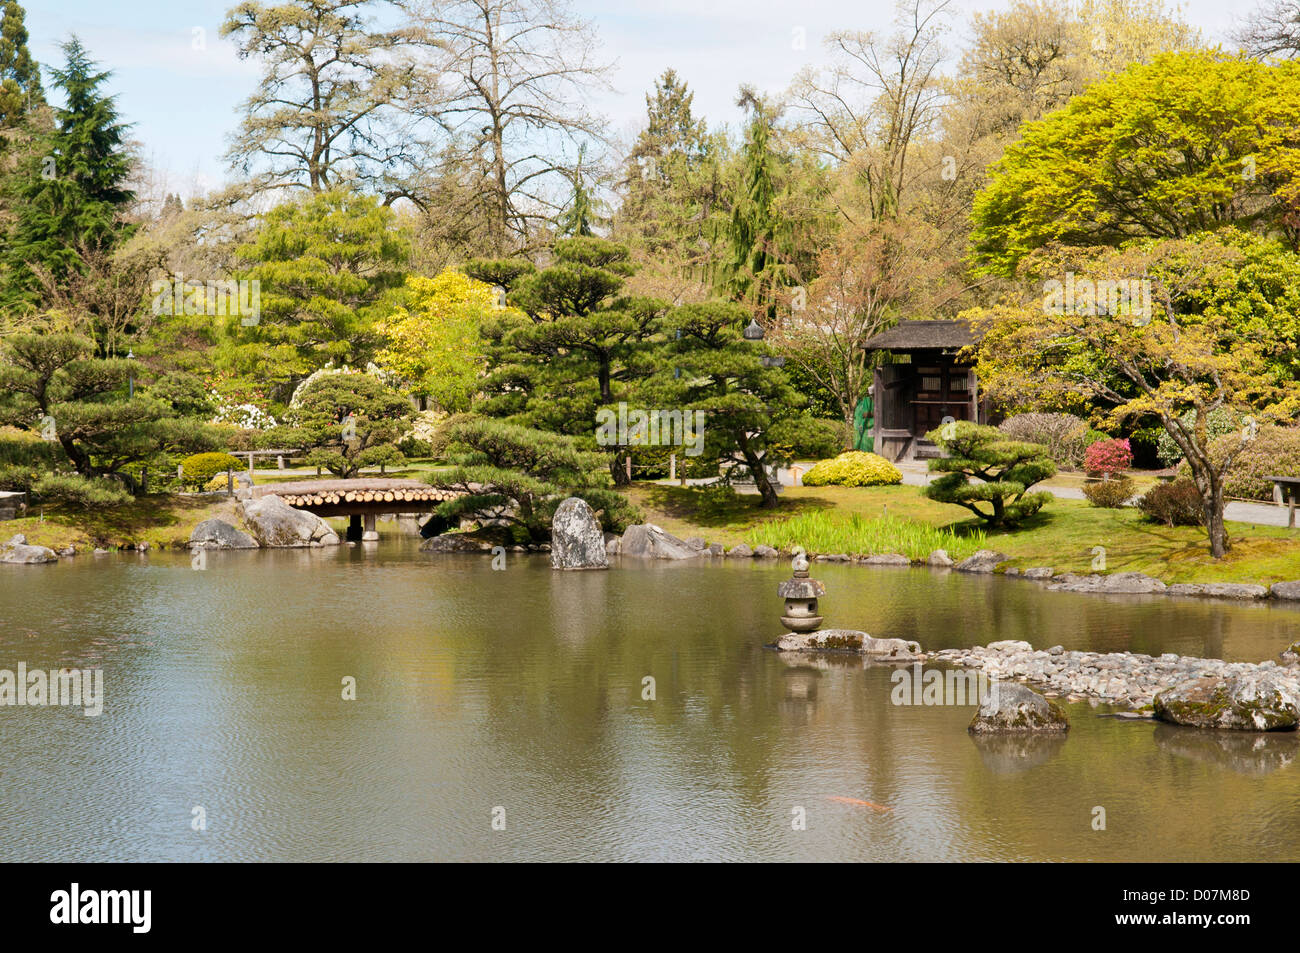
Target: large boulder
{"x": 276, "y": 524}
{"x": 1122, "y": 582}
{"x": 454, "y": 543}
{"x": 1010, "y": 706}
{"x": 1285, "y": 590}
{"x": 887, "y": 559}
{"x": 218, "y": 534}
{"x": 740, "y": 551}
{"x": 17, "y": 551}
{"x": 649, "y": 540}
{"x": 1261, "y": 700}
{"x": 986, "y": 560}
{"x": 1217, "y": 590}
{"x": 576, "y": 538}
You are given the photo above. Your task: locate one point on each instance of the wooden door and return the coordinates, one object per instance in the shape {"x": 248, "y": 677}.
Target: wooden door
{"x": 940, "y": 390}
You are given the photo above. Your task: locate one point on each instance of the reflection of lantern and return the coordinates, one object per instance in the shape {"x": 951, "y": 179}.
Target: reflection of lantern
{"x": 800, "y": 594}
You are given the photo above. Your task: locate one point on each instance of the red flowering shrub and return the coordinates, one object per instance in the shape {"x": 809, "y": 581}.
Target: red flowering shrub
{"x": 1108, "y": 456}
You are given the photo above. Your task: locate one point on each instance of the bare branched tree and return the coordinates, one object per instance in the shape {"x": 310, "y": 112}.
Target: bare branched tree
{"x": 1273, "y": 30}
{"x": 515, "y": 78}
{"x": 878, "y": 96}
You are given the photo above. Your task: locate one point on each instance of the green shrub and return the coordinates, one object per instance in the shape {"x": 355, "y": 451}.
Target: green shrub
{"x": 202, "y": 467}
{"x": 652, "y": 463}
{"x": 1173, "y": 504}
{"x": 415, "y": 447}
{"x": 1110, "y": 494}
{"x": 1218, "y": 423}
{"x": 18, "y": 479}
{"x": 21, "y": 448}
{"x": 78, "y": 491}
{"x": 809, "y": 438}
{"x": 854, "y": 468}
{"x": 1272, "y": 451}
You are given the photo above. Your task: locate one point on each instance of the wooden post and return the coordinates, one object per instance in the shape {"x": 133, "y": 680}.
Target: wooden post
{"x": 628, "y": 461}
{"x": 144, "y": 480}
{"x": 672, "y": 466}
{"x": 1290, "y": 506}
{"x": 180, "y": 472}
{"x": 279, "y": 461}
{"x": 230, "y": 482}
{"x": 250, "y": 467}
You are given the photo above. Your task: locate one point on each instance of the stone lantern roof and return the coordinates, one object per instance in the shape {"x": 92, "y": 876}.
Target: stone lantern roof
{"x": 800, "y": 588}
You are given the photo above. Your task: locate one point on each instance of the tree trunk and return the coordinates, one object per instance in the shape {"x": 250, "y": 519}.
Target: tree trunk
{"x": 1214, "y": 524}
{"x": 618, "y": 468}
{"x": 761, "y": 481}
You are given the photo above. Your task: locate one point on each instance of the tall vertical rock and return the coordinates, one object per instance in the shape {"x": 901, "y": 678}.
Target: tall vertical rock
{"x": 576, "y": 538}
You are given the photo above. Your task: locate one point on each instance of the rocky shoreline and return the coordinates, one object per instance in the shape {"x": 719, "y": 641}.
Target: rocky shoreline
{"x": 1125, "y": 679}
{"x": 649, "y": 540}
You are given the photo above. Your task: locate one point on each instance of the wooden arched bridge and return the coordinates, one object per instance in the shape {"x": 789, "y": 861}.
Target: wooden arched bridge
{"x": 362, "y": 499}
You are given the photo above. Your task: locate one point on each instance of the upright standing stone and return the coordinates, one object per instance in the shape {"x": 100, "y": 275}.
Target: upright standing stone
{"x": 576, "y": 538}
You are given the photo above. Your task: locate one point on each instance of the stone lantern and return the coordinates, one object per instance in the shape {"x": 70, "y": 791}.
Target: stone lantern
{"x": 800, "y": 594}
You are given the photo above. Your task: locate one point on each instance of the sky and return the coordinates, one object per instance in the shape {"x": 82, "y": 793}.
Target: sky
{"x": 181, "y": 84}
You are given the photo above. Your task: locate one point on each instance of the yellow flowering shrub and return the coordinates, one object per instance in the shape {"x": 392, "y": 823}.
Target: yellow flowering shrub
{"x": 854, "y": 468}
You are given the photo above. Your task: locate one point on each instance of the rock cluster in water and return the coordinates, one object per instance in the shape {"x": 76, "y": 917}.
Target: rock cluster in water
{"x": 850, "y": 640}
{"x": 1205, "y": 693}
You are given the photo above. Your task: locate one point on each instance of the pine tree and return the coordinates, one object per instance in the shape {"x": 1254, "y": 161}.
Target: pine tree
{"x": 571, "y": 343}
{"x": 754, "y": 269}
{"x": 577, "y": 219}
{"x": 70, "y": 191}
{"x": 323, "y": 265}
{"x": 672, "y": 193}
{"x": 20, "y": 76}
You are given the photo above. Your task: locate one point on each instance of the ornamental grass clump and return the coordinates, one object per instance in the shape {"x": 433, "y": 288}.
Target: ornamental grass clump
{"x": 854, "y": 468}
{"x": 830, "y": 531}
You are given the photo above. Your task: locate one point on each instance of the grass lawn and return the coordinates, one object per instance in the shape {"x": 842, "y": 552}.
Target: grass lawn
{"x": 1063, "y": 535}
{"x": 161, "y": 520}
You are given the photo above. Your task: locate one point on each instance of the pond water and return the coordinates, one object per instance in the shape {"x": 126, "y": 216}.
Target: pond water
{"x": 522, "y": 690}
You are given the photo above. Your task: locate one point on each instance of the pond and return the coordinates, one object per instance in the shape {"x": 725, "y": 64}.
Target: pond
{"x": 517, "y": 696}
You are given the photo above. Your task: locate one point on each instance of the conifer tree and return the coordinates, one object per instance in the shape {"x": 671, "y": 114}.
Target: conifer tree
{"x": 69, "y": 193}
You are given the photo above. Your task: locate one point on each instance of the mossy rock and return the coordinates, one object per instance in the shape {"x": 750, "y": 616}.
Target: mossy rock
{"x": 1258, "y": 701}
